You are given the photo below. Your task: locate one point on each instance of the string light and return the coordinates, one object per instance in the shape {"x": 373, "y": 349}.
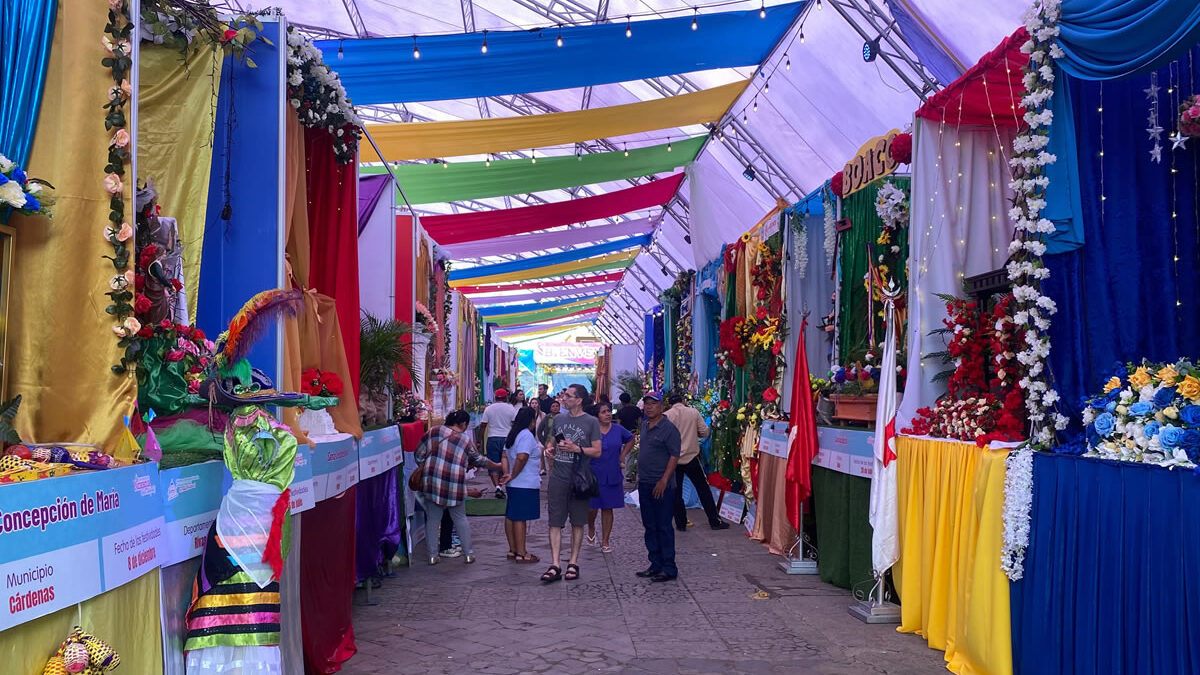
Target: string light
{"x": 695, "y": 15}
{"x": 755, "y": 104}
{"x": 488, "y": 162}
{"x": 668, "y": 145}
{"x": 559, "y": 41}
{"x": 533, "y": 156}
{"x": 628, "y": 27}
{"x": 767, "y": 86}
{"x": 745, "y": 118}
{"x": 801, "y": 41}
{"x": 416, "y": 50}
{"x": 787, "y": 63}
{"x": 762, "y": 10}
{"x": 483, "y": 49}
{"x": 445, "y": 164}
{"x": 340, "y": 52}
{"x": 626, "y": 146}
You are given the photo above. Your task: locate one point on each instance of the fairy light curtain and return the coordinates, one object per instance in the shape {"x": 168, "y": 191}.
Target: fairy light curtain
{"x": 424, "y": 140}
{"x": 447, "y": 67}
{"x": 463, "y": 227}
{"x": 550, "y": 259}
{"x": 525, "y": 243}
{"x": 450, "y": 182}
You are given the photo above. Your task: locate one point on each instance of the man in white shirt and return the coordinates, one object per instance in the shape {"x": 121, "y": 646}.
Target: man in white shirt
{"x": 691, "y": 429}
{"x": 497, "y": 420}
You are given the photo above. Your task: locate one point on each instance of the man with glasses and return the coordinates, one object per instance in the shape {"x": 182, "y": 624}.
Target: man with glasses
{"x": 576, "y": 437}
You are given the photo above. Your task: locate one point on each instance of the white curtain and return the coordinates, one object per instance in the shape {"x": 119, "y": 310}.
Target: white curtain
{"x": 959, "y": 228}
{"x": 721, "y": 209}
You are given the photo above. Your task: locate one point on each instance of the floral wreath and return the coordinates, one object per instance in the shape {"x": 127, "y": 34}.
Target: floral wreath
{"x": 27, "y": 196}
{"x": 317, "y": 94}
{"x": 118, "y": 232}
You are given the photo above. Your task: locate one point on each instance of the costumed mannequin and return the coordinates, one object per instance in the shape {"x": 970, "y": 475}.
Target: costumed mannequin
{"x": 164, "y": 273}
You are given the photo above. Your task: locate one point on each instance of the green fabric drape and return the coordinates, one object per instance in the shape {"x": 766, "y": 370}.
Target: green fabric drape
{"x": 670, "y": 316}
{"x": 854, "y": 248}
{"x": 434, "y": 183}
{"x": 842, "y": 504}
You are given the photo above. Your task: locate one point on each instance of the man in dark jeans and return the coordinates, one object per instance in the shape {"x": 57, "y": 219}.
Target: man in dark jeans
{"x": 657, "y": 457}
{"x": 692, "y": 428}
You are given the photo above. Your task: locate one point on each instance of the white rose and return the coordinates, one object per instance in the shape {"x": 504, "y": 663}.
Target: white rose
{"x": 6, "y": 164}
{"x": 12, "y": 194}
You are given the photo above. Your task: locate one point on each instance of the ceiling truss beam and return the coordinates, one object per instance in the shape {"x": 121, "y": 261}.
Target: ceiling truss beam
{"x": 872, "y": 23}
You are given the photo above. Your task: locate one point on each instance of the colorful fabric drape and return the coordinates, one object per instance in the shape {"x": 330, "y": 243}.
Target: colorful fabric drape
{"x": 555, "y": 283}
{"x": 456, "y": 181}
{"x": 772, "y": 521}
{"x": 525, "y": 243}
{"x": 619, "y": 260}
{"x": 370, "y": 190}
{"x": 488, "y": 301}
{"x": 383, "y": 70}
{"x": 1110, "y": 573}
{"x": 25, "y": 39}
{"x": 455, "y": 139}
{"x": 989, "y": 93}
{"x": 462, "y": 227}
{"x": 843, "y": 530}
{"x": 802, "y": 436}
{"x": 327, "y": 577}
{"x": 953, "y": 592}
{"x": 517, "y": 308}
{"x": 520, "y": 318}
{"x": 549, "y": 259}
{"x": 1111, "y": 39}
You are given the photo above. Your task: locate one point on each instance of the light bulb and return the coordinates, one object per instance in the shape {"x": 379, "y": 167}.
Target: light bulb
{"x": 483, "y": 49}
{"x": 767, "y": 87}
{"x": 756, "y": 105}
{"x": 487, "y": 162}
{"x": 626, "y": 149}
{"x": 787, "y": 65}
{"x": 820, "y": 6}
{"x": 668, "y": 146}
{"x": 340, "y": 52}
{"x": 559, "y": 41}
{"x": 695, "y": 14}
{"x": 762, "y": 10}
{"x": 416, "y": 50}
{"x": 745, "y": 118}
{"x": 628, "y": 27}
{"x": 533, "y": 156}
{"x": 445, "y": 164}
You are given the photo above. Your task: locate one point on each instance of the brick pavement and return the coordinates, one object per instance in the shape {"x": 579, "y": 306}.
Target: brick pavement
{"x": 731, "y": 611}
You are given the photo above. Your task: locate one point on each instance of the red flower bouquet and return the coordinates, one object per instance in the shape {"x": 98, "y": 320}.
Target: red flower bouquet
{"x": 315, "y": 382}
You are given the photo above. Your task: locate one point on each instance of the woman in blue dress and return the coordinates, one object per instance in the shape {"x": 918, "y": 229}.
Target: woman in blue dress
{"x": 609, "y": 467}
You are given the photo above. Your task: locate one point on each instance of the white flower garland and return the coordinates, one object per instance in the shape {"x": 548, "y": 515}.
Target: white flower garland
{"x": 891, "y": 205}
{"x": 799, "y": 245}
{"x": 830, "y": 228}
{"x": 1018, "y": 502}
{"x": 1031, "y": 309}
{"x": 316, "y": 93}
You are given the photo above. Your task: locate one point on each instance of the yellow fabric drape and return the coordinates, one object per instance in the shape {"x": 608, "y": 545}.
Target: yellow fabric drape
{"x": 61, "y": 344}
{"x": 597, "y": 263}
{"x": 424, "y": 140}
{"x": 126, "y": 618}
{"x": 577, "y": 305}
{"x": 952, "y": 590}
{"x": 175, "y": 136}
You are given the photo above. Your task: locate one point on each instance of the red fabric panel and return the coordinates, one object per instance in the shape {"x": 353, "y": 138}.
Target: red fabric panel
{"x": 803, "y": 435}
{"x": 327, "y": 583}
{"x": 968, "y": 100}
{"x": 532, "y": 285}
{"x": 333, "y": 236}
{"x": 406, "y": 259}
{"x": 410, "y": 435}
{"x": 460, "y": 227}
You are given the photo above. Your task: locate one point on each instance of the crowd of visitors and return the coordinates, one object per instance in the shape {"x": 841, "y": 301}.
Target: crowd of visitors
{"x": 581, "y": 446}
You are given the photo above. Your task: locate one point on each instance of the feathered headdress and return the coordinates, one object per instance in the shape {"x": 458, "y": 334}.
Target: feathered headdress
{"x": 253, "y": 321}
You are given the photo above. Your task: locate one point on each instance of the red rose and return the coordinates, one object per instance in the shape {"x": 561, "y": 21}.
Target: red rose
{"x": 229, "y": 35}
{"x": 198, "y": 335}
{"x": 139, "y": 282}
{"x": 175, "y": 355}
{"x": 777, "y": 347}
{"x": 141, "y": 304}
{"x": 166, "y": 324}
{"x": 177, "y": 285}
{"x": 331, "y": 383}
{"x": 196, "y": 370}
{"x": 835, "y": 184}
{"x": 761, "y": 313}
{"x": 770, "y": 395}
{"x": 184, "y": 331}
{"x": 146, "y": 333}
{"x": 901, "y": 148}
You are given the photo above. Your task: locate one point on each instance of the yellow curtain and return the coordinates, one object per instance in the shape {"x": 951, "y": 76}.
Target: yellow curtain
{"x": 61, "y": 344}
{"x": 609, "y": 261}
{"x": 425, "y": 140}
{"x": 175, "y": 130}
{"x": 126, "y": 618}
{"x": 952, "y": 590}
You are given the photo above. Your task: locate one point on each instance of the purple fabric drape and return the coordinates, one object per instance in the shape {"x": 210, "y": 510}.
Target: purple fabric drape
{"x": 547, "y": 294}
{"x": 370, "y": 190}
{"x": 377, "y": 522}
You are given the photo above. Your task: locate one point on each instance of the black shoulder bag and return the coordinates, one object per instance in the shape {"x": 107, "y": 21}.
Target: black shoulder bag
{"x": 583, "y": 481}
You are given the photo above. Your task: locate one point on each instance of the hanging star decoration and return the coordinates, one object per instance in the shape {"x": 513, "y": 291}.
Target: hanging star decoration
{"x": 1155, "y": 129}
{"x": 1152, "y": 90}
{"x": 1156, "y": 153}
{"x": 1178, "y": 140}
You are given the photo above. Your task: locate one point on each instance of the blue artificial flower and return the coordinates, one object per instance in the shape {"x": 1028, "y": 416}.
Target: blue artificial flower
{"x": 31, "y": 203}
{"x": 839, "y": 375}
{"x": 1170, "y": 437}
{"x": 1110, "y": 406}
{"x": 3, "y": 179}
{"x": 1151, "y": 429}
{"x": 1191, "y": 444}
{"x": 19, "y": 175}
{"x": 1093, "y": 438}
{"x": 1141, "y": 408}
{"x": 1098, "y": 403}
{"x": 1190, "y": 414}
{"x": 1104, "y": 424}
{"x": 1164, "y": 397}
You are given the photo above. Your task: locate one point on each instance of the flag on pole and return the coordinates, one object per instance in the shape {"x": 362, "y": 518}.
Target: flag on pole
{"x": 885, "y": 503}
{"x": 802, "y": 436}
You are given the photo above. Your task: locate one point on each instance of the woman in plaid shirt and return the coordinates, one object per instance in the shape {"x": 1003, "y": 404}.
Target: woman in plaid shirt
{"x": 445, "y": 454}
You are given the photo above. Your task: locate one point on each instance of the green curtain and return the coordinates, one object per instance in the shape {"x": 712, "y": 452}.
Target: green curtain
{"x": 434, "y": 183}
{"x": 670, "y": 316}
{"x": 854, "y": 248}
{"x": 842, "y": 505}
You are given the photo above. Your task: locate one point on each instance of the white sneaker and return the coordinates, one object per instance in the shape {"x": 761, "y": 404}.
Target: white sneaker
{"x": 451, "y": 553}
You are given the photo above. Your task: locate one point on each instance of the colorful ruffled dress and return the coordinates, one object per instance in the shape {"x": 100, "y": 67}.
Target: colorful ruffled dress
{"x": 233, "y": 623}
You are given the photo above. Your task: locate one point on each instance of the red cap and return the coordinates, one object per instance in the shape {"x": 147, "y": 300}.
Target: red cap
{"x": 502, "y": 393}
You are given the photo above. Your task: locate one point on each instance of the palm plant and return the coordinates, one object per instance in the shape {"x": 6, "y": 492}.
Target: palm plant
{"x": 383, "y": 353}
{"x": 631, "y": 383}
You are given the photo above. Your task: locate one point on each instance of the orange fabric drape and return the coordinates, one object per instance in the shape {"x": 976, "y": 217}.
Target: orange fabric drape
{"x": 771, "y": 525}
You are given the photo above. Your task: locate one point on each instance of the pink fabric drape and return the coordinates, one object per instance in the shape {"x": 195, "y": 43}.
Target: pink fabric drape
{"x": 524, "y": 243}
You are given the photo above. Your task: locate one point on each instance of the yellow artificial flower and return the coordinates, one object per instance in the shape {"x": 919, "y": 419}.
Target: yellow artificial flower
{"x": 1113, "y": 383}
{"x": 885, "y": 237}
{"x": 1171, "y": 412}
{"x": 1168, "y": 375}
{"x": 1190, "y": 388}
{"x": 1140, "y": 377}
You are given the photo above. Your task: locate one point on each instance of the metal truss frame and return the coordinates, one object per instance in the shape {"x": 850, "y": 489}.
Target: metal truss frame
{"x": 873, "y": 22}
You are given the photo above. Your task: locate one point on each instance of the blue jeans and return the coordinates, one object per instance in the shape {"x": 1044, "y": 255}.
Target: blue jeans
{"x": 660, "y": 535}
{"x": 494, "y": 450}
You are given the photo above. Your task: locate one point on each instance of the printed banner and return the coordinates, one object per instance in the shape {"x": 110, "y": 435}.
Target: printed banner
{"x": 67, "y": 539}
{"x": 578, "y": 353}
{"x": 774, "y": 439}
{"x": 334, "y": 467}
{"x": 751, "y": 512}
{"x": 849, "y": 451}
{"x": 191, "y": 497}
{"x": 732, "y": 507}
{"x": 303, "y": 494}
{"x": 377, "y": 451}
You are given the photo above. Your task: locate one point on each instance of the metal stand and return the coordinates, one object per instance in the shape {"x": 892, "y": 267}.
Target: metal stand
{"x": 876, "y": 609}
{"x": 802, "y": 564}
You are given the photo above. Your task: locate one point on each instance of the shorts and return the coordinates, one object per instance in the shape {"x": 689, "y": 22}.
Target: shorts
{"x": 523, "y": 504}
{"x": 494, "y": 451}
{"x": 560, "y": 504}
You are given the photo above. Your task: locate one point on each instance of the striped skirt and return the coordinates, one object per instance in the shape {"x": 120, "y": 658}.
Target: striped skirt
{"x": 228, "y": 608}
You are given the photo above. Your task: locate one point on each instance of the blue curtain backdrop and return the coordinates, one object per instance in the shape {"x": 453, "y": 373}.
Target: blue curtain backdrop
{"x": 242, "y": 254}
{"x": 1117, "y": 294}
{"x": 648, "y": 352}
{"x": 383, "y": 70}
{"x": 550, "y": 259}
{"x": 707, "y": 319}
{"x": 1110, "y": 581}
{"x": 26, "y": 34}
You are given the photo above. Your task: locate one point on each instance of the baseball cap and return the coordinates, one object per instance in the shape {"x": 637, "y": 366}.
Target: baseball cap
{"x": 653, "y": 395}
{"x": 501, "y": 393}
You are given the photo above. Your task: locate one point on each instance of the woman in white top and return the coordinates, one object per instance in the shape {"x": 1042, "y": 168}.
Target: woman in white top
{"x": 522, "y": 458}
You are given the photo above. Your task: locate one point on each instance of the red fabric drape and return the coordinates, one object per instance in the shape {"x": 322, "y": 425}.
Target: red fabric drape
{"x": 460, "y": 227}
{"x": 988, "y": 93}
{"x": 333, "y": 236}
{"x": 327, "y": 583}
{"x": 532, "y": 285}
{"x": 802, "y": 435}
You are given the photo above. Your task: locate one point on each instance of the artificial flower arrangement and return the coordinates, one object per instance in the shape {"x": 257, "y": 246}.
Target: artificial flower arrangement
{"x": 320, "y": 100}
{"x": 855, "y": 379}
{"x": 445, "y": 378}
{"x": 683, "y": 357}
{"x": 1189, "y": 116}
{"x": 982, "y": 403}
{"x": 1148, "y": 413}
{"x": 426, "y": 320}
{"x": 315, "y": 382}
{"x": 182, "y": 24}
{"x": 25, "y": 195}
{"x": 409, "y": 407}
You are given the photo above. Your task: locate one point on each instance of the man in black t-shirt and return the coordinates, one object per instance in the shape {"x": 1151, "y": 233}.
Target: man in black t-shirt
{"x": 629, "y": 415}
{"x": 543, "y": 399}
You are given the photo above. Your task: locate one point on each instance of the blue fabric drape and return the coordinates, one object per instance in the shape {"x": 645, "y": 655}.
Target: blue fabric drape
{"x": 927, "y": 47}
{"x": 492, "y": 310}
{"x": 26, "y": 34}
{"x": 1110, "y": 581}
{"x": 1116, "y": 295}
{"x": 1063, "y": 205}
{"x": 1110, "y": 39}
{"x": 383, "y": 70}
{"x": 648, "y": 352}
{"x": 550, "y": 259}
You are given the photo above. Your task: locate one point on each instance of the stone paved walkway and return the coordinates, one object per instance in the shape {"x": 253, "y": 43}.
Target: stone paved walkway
{"x": 731, "y": 611}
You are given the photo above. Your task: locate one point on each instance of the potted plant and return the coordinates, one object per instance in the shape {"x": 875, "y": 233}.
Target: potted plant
{"x": 854, "y": 393}
{"x": 384, "y": 352}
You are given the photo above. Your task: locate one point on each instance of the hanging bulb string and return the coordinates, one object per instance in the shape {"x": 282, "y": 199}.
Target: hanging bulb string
{"x": 416, "y": 50}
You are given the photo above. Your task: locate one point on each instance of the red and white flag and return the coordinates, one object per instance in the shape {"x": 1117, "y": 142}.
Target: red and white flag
{"x": 885, "y": 503}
